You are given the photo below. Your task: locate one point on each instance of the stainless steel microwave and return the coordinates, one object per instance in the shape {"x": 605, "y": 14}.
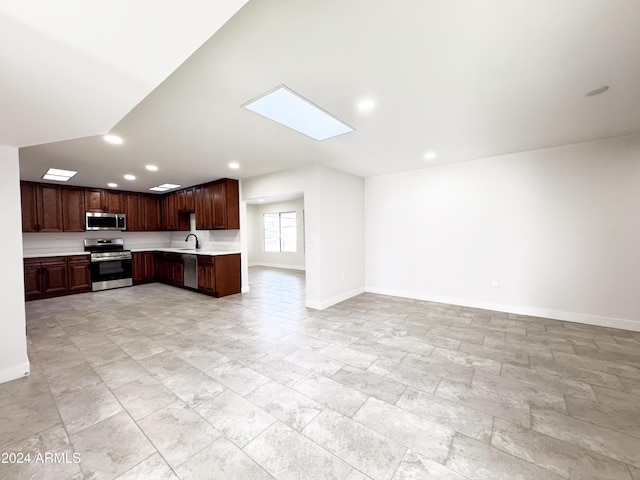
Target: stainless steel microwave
{"x": 105, "y": 221}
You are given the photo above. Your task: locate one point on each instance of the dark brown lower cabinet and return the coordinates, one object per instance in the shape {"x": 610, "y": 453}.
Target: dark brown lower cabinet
{"x": 217, "y": 275}
{"x": 78, "y": 274}
{"x": 227, "y": 274}
{"x": 206, "y": 275}
{"x": 33, "y": 279}
{"x": 143, "y": 266}
{"x": 47, "y": 277}
{"x": 170, "y": 268}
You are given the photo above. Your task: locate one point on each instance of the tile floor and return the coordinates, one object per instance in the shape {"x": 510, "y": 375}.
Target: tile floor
{"x": 154, "y": 382}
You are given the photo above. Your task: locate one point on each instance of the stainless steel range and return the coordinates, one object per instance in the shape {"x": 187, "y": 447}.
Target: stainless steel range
{"x": 110, "y": 263}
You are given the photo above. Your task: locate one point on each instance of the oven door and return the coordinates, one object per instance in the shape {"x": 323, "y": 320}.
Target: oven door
{"x": 110, "y": 273}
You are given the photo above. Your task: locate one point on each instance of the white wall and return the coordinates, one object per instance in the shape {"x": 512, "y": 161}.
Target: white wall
{"x": 341, "y": 239}
{"x": 14, "y": 362}
{"x": 256, "y": 252}
{"x": 334, "y": 226}
{"x": 559, "y": 229}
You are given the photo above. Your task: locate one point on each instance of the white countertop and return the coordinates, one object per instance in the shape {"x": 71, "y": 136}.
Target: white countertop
{"x": 49, "y": 253}
{"x": 191, "y": 251}
{"x": 62, "y": 253}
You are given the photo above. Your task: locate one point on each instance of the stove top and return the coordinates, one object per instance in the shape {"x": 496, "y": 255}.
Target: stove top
{"x": 103, "y": 244}
{"x": 106, "y": 249}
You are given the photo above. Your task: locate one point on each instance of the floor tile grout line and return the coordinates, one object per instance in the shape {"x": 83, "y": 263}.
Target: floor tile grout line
{"x": 302, "y": 434}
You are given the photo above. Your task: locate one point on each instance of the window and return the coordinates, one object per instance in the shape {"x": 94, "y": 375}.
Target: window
{"x": 280, "y": 232}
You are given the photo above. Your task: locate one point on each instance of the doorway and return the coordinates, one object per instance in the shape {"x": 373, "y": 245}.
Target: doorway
{"x": 276, "y": 232}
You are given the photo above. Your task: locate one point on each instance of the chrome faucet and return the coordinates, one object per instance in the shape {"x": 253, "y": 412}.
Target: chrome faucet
{"x": 194, "y": 236}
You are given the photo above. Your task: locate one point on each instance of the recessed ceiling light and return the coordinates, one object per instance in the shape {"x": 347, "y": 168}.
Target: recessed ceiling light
{"x": 261, "y": 200}
{"x": 114, "y": 139}
{"x": 62, "y": 173}
{"x": 286, "y": 107}
{"x": 597, "y": 91}
{"x": 151, "y": 168}
{"x": 366, "y": 105}
{"x": 128, "y": 176}
{"x": 58, "y": 175}
{"x": 234, "y": 165}
{"x": 430, "y": 155}
{"x": 165, "y": 187}
{"x": 57, "y": 178}
{"x": 112, "y": 185}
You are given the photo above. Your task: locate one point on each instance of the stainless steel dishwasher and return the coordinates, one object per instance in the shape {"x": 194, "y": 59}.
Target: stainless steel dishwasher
{"x": 190, "y": 271}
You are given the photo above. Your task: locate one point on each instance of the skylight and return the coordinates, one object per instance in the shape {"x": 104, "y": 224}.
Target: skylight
{"x": 286, "y": 107}
{"x": 58, "y": 175}
{"x": 165, "y": 187}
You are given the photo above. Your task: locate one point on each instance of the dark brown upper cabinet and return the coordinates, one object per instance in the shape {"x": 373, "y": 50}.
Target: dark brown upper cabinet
{"x": 41, "y": 207}
{"x": 72, "y": 209}
{"x": 99, "y": 200}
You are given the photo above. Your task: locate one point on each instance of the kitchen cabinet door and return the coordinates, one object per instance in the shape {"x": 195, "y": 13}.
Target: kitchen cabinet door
{"x": 227, "y": 275}
{"x": 175, "y": 269}
{"x": 72, "y": 209}
{"x": 170, "y": 268}
{"x": 78, "y": 274}
{"x": 49, "y": 202}
{"x": 204, "y": 207}
{"x": 149, "y": 267}
{"x": 114, "y": 201}
{"x": 162, "y": 267}
{"x": 185, "y": 200}
{"x": 219, "y": 193}
{"x": 32, "y": 283}
{"x": 178, "y": 273}
{"x": 54, "y": 276}
{"x": 29, "y": 208}
{"x": 94, "y": 200}
{"x": 134, "y": 212}
{"x": 169, "y": 212}
{"x": 144, "y": 267}
{"x": 137, "y": 267}
{"x": 41, "y": 207}
{"x": 206, "y": 275}
{"x": 226, "y": 209}
{"x": 151, "y": 212}
{"x": 233, "y": 204}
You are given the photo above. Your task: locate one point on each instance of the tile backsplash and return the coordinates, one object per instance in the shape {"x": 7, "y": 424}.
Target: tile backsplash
{"x": 67, "y": 243}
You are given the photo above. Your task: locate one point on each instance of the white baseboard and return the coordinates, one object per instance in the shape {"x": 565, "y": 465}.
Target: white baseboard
{"x": 278, "y": 265}
{"x": 17, "y": 371}
{"x": 598, "y": 320}
{"x": 332, "y": 301}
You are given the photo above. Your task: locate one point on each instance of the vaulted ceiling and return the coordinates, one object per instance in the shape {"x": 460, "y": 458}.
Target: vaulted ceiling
{"x": 466, "y": 79}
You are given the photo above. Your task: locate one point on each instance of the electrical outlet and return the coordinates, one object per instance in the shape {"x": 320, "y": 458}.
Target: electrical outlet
{"x": 495, "y": 283}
